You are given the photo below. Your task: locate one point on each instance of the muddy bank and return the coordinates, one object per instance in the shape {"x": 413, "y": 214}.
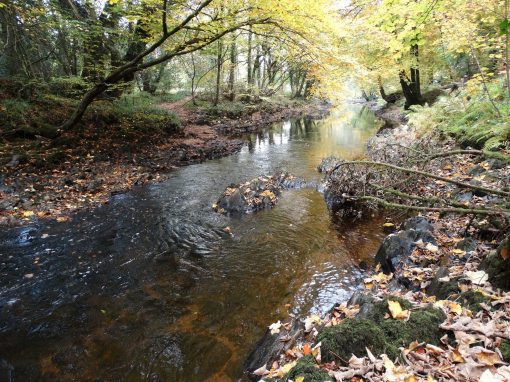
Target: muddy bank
{"x": 43, "y": 178}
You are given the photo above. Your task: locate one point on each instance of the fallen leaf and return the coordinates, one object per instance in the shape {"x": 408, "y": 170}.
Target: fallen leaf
{"x": 488, "y": 357}
{"x": 307, "y": 349}
{"x": 396, "y": 311}
{"x": 311, "y": 321}
{"x": 275, "y": 327}
{"x": 477, "y": 277}
{"x": 261, "y": 371}
{"x": 451, "y": 306}
{"x": 487, "y": 376}
{"x": 431, "y": 248}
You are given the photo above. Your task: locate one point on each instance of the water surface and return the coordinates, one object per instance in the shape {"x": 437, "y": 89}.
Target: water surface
{"x": 151, "y": 288}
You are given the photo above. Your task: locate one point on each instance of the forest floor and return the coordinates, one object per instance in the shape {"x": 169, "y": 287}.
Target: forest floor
{"x": 443, "y": 312}
{"x": 50, "y": 178}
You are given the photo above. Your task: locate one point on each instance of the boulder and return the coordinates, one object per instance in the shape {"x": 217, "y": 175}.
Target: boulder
{"x": 497, "y": 265}
{"x": 397, "y": 247}
{"x": 307, "y": 371}
{"x": 270, "y": 346}
{"x": 381, "y": 335}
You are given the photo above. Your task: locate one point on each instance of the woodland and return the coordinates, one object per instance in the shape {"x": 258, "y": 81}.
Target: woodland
{"x": 101, "y": 98}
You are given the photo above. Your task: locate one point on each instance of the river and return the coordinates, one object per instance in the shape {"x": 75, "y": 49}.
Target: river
{"x": 150, "y": 287}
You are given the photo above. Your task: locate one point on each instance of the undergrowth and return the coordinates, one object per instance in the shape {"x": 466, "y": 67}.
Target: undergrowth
{"x": 27, "y": 117}
{"x": 470, "y": 119}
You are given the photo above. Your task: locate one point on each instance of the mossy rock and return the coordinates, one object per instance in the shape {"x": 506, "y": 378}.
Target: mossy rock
{"x": 498, "y": 270}
{"x": 352, "y": 337}
{"x": 472, "y": 300}
{"x": 443, "y": 290}
{"x": 380, "y": 335}
{"x": 504, "y": 348}
{"x": 378, "y": 311}
{"x": 307, "y": 368}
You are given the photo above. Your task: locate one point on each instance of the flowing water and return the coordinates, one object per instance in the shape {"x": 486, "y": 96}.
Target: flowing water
{"x": 151, "y": 288}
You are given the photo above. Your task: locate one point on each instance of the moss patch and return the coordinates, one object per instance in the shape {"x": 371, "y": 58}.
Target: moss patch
{"x": 380, "y": 335}
{"x": 472, "y": 300}
{"x": 307, "y": 369}
{"x": 504, "y": 348}
{"x": 351, "y": 337}
{"x": 498, "y": 270}
{"x": 443, "y": 290}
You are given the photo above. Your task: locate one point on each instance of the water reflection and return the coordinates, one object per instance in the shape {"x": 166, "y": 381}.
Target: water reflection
{"x": 151, "y": 288}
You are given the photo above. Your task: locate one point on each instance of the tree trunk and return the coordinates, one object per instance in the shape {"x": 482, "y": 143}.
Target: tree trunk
{"x": 249, "y": 60}
{"x": 232, "y": 69}
{"x": 411, "y": 87}
{"x": 218, "y": 74}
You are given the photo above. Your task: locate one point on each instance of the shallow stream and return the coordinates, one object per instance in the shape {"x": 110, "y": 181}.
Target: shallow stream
{"x": 151, "y": 288}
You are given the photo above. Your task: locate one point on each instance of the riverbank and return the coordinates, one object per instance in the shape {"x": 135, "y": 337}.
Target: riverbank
{"x": 435, "y": 304}
{"x": 117, "y": 149}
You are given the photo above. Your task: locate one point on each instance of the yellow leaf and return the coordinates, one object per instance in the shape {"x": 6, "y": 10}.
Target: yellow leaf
{"x": 285, "y": 369}
{"x": 28, "y": 213}
{"x": 396, "y": 311}
{"x": 300, "y": 378}
{"x": 488, "y": 357}
{"x": 452, "y": 306}
{"x": 457, "y": 357}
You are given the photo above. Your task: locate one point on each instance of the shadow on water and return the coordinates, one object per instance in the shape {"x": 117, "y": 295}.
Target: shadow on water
{"x": 151, "y": 288}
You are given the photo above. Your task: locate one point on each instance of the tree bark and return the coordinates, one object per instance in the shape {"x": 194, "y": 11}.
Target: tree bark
{"x": 218, "y": 74}
{"x": 249, "y": 59}
{"x": 232, "y": 69}
{"x": 411, "y": 87}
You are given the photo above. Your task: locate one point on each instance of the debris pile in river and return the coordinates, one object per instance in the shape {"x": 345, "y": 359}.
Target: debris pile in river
{"x": 256, "y": 194}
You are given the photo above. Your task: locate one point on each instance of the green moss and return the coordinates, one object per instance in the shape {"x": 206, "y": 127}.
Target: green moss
{"x": 498, "y": 270}
{"x": 422, "y": 326}
{"x": 443, "y": 290}
{"x": 472, "y": 300}
{"x": 380, "y": 335}
{"x": 379, "y": 310}
{"x": 351, "y": 337}
{"x": 307, "y": 368}
{"x": 504, "y": 348}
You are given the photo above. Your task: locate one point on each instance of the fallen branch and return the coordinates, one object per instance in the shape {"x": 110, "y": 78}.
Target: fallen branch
{"x": 422, "y": 173}
{"x": 456, "y": 210}
{"x": 436, "y": 200}
{"x": 454, "y": 152}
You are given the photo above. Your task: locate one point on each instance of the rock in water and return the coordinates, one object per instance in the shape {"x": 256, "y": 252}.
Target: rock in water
{"x": 257, "y": 194}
